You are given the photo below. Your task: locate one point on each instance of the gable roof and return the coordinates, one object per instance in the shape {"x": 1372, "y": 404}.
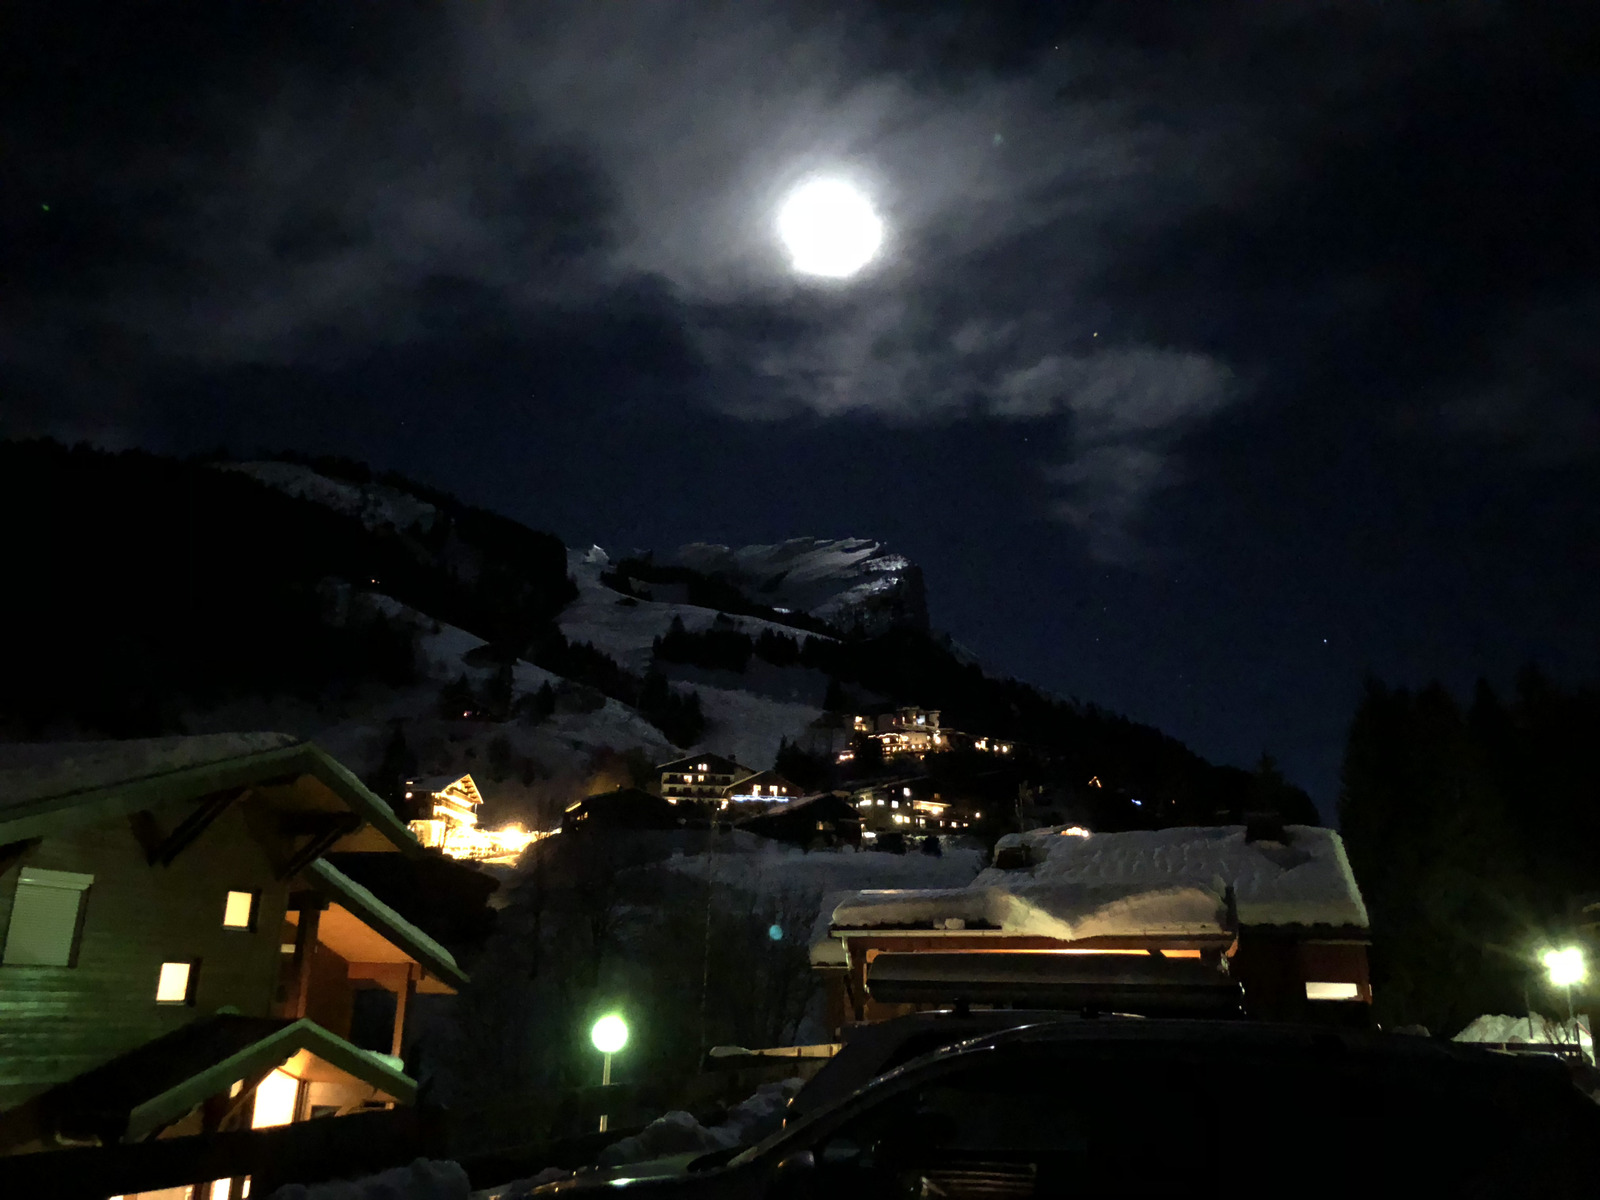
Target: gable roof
{"x": 718, "y": 764}
{"x": 434, "y": 784}
{"x": 630, "y": 808}
{"x": 800, "y": 814}
{"x": 137, "y": 1093}
{"x": 364, "y": 905}
{"x": 766, "y": 777}
{"x": 51, "y": 786}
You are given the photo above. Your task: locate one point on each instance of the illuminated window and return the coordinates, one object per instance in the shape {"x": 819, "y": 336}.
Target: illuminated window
{"x": 277, "y": 1098}
{"x": 240, "y": 911}
{"x": 46, "y": 918}
{"x": 1333, "y": 991}
{"x": 894, "y": 804}
{"x": 176, "y": 984}
{"x": 905, "y": 791}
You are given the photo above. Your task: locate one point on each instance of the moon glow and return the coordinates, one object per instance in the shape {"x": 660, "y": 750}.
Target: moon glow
{"x": 829, "y": 229}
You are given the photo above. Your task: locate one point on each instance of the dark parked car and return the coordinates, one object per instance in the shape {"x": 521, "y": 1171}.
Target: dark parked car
{"x": 1128, "y": 1107}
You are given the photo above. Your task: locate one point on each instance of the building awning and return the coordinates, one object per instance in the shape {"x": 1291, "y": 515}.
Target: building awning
{"x": 137, "y": 1094}
{"x": 360, "y": 928}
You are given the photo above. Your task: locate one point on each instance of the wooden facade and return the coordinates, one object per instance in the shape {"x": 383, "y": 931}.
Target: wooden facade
{"x": 204, "y": 898}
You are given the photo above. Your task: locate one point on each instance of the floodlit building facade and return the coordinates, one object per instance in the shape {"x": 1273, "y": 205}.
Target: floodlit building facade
{"x": 451, "y": 822}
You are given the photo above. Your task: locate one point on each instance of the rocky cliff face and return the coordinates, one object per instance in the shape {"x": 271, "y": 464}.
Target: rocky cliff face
{"x": 848, "y": 582}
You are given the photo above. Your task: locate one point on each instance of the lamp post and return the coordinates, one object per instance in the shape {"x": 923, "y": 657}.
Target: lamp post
{"x": 610, "y": 1034}
{"x": 1567, "y": 967}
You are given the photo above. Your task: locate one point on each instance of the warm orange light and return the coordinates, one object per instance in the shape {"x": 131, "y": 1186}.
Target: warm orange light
{"x": 1180, "y": 954}
{"x": 173, "y": 985}
{"x": 236, "y": 911}
{"x": 277, "y": 1097}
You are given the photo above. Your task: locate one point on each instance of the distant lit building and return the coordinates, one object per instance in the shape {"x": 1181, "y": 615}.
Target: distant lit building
{"x": 764, "y": 787}
{"x": 700, "y": 777}
{"x": 451, "y": 821}
{"x": 908, "y": 806}
{"x": 903, "y": 730}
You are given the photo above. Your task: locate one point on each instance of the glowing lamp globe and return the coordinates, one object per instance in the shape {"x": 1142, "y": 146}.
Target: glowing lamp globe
{"x": 610, "y": 1034}
{"x": 829, "y": 229}
{"x": 1566, "y": 966}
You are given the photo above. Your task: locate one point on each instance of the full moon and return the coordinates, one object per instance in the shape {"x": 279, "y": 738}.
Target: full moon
{"x": 829, "y": 228}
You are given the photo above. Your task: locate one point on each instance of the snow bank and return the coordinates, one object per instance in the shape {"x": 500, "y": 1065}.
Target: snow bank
{"x": 1305, "y": 881}
{"x": 424, "y": 1179}
{"x": 679, "y": 1133}
{"x": 1045, "y": 910}
{"x": 1501, "y": 1029}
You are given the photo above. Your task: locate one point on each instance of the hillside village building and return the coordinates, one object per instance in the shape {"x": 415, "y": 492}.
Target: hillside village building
{"x": 915, "y": 731}
{"x": 908, "y": 806}
{"x": 904, "y": 731}
{"x": 1275, "y": 911}
{"x": 764, "y": 787}
{"x": 180, "y": 959}
{"x": 451, "y": 822}
{"x": 700, "y": 777}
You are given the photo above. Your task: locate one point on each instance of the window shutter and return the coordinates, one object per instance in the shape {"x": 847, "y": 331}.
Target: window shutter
{"x": 44, "y": 918}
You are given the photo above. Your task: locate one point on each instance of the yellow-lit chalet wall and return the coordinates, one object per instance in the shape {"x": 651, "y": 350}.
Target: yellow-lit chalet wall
{"x": 57, "y": 1022}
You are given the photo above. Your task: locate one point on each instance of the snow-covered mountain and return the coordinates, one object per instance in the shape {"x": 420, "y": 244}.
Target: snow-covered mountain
{"x": 411, "y": 633}
{"x": 375, "y": 505}
{"x": 848, "y": 582}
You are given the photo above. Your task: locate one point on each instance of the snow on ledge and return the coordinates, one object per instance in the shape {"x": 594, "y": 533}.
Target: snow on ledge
{"x": 1044, "y": 910}
{"x": 1304, "y": 880}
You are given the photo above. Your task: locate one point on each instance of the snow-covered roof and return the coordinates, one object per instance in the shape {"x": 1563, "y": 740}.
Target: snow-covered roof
{"x": 45, "y": 785}
{"x": 1305, "y": 880}
{"x": 34, "y": 771}
{"x": 1168, "y": 882}
{"x": 361, "y": 901}
{"x": 1047, "y": 910}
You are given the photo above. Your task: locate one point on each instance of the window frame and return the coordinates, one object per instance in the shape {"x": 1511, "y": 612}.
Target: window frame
{"x": 42, "y": 878}
{"x": 191, "y": 982}
{"x": 251, "y": 918}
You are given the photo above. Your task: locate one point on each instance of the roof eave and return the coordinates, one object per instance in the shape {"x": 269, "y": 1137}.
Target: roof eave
{"x": 305, "y": 1034}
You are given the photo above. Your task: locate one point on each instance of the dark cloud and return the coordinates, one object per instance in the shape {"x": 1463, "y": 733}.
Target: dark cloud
{"x": 1231, "y": 292}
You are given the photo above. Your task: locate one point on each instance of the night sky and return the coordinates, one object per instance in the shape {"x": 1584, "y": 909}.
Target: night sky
{"x": 1216, "y": 355}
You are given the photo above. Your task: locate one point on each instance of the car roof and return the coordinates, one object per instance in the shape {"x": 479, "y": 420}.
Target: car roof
{"x": 965, "y": 1035}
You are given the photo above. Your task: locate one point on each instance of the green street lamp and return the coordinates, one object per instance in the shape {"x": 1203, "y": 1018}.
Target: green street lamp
{"x": 610, "y": 1034}
{"x": 1567, "y": 967}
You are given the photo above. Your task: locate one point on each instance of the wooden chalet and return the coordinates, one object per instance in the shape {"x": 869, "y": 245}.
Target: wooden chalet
{"x": 910, "y": 805}
{"x": 826, "y": 820}
{"x": 623, "y": 809}
{"x": 442, "y": 804}
{"x": 178, "y": 954}
{"x": 1276, "y": 913}
{"x": 700, "y": 777}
